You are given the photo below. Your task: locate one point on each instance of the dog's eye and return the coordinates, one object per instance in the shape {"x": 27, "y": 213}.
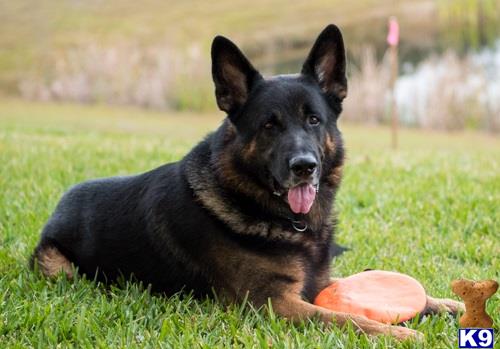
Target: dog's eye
{"x": 313, "y": 120}
{"x": 270, "y": 123}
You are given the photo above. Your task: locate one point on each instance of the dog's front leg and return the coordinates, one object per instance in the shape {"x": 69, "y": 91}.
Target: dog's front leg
{"x": 443, "y": 305}
{"x": 294, "y": 308}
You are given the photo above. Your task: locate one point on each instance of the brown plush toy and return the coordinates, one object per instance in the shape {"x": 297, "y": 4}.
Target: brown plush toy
{"x": 474, "y": 295}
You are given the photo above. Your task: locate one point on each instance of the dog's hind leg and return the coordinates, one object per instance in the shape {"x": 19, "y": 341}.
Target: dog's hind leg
{"x": 51, "y": 261}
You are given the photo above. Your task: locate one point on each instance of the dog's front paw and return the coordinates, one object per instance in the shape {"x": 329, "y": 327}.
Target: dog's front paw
{"x": 397, "y": 332}
{"x": 444, "y": 305}
{"x": 451, "y": 306}
{"x": 403, "y": 333}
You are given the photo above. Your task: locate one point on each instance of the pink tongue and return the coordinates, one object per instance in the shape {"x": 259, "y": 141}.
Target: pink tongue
{"x": 301, "y": 198}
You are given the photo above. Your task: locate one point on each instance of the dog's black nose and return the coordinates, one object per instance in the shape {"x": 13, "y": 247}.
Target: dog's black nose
{"x": 303, "y": 165}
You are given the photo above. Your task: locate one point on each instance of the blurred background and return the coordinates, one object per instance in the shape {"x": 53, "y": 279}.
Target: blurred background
{"x": 155, "y": 54}
{"x": 98, "y": 88}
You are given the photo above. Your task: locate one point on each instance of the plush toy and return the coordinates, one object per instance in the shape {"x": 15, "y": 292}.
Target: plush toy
{"x": 384, "y": 296}
{"x": 474, "y": 295}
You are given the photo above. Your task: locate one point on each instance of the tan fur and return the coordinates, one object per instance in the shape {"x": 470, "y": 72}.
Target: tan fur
{"x": 291, "y": 306}
{"x": 202, "y": 183}
{"x": 207, "y": 194}
{"x": 255, "y": 276}
{"x": 249, "y": 150}
{"x": 444, "y": 305}
{"x": 236, "y": 180}
{"x": 238, "y": 81}
{"x": 329, "y": 144}
{"x": 324, "y": 71}
{"x": 335, "y": 176}
{"x": 52, "y": 262}
{"x": 241, "y": 182}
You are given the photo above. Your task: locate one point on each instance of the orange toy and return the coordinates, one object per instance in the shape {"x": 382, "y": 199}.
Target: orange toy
{"x": 379, "y": 295}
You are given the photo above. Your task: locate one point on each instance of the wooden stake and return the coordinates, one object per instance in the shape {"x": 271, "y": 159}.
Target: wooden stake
{"x": 394, "y": 106}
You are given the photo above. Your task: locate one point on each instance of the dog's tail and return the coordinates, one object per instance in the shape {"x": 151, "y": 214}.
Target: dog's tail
{"x": 337, "y": 250}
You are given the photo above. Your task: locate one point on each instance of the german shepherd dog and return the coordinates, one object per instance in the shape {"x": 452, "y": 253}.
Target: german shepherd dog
{"x": 245, "y": 214}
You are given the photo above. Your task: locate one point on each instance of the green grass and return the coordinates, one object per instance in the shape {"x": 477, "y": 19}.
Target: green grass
{"x": 429, "y": 210}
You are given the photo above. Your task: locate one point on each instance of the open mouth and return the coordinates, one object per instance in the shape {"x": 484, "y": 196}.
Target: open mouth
{"x": 300, "y": 198}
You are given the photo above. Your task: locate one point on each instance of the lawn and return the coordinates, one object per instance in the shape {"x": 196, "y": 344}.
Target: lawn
{"x": 430, "y": 209}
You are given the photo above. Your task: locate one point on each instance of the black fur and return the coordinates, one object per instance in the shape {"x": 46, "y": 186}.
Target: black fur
{"x": 185, "y": 225}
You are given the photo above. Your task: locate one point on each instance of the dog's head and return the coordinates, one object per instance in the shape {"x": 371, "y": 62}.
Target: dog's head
{"x": 286, "y": 125}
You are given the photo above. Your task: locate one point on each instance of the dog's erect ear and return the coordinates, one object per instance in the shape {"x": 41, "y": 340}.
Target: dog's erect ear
{"x": 326, "y": 63}
{"x": 232, "y": 73}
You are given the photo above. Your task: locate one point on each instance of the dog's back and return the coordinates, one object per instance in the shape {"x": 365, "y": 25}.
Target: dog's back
{"x": 121, "y": 226}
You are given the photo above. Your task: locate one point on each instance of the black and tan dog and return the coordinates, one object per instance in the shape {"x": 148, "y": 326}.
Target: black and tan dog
{"x": 247, "y": 211}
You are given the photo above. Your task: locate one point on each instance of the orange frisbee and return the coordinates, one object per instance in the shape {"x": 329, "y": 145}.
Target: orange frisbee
{"x": 384, "y": 296}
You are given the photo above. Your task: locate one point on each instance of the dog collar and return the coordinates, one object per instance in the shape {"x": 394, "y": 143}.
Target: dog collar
{"x": 299, "y": 225}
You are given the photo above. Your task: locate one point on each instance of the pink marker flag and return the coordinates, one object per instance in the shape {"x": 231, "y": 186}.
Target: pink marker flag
{"x": 393, "y": 36}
